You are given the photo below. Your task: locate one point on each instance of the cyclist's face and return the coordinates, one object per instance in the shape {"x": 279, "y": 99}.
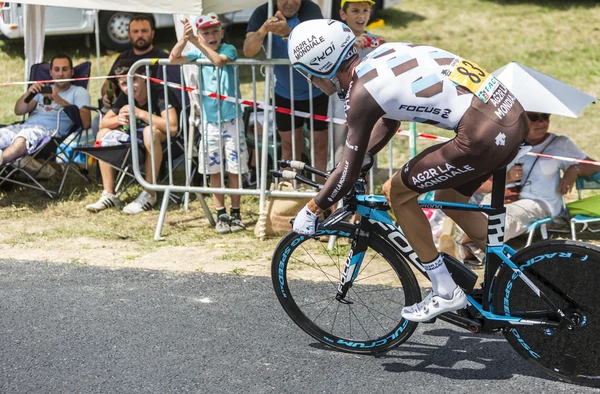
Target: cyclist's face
{"x": 325, "y": 85}
{"x": 356, "y": 16}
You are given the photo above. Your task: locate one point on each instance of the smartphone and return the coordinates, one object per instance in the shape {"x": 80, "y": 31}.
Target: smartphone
{"x": 46, "y": 89}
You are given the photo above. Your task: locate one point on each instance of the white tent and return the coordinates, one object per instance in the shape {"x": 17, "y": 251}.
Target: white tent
{"x": 34, "y": 16}
{"x": 155, "y": 6}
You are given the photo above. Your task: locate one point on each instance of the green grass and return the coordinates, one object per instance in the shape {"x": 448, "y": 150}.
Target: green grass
{"x": 559, "y": 38}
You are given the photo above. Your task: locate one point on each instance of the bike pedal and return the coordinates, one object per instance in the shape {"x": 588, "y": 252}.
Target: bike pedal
{"x": 430, "y": 321}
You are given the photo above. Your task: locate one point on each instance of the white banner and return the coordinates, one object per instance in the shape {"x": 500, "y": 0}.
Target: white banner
{"x": 197, "y": 7}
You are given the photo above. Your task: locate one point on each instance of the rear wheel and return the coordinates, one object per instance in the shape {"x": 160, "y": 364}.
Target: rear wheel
{"x": 306, "y": 276}
{"x": 567, "y": 272}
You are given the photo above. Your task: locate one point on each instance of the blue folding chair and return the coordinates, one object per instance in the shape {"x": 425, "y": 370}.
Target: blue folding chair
{"x": 49, "y": 149}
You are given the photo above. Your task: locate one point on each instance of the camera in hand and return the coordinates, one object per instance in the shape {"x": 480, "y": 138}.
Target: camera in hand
{"x": 46, "y": 89}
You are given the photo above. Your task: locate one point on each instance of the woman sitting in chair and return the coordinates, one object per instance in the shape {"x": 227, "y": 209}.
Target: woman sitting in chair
{"x": 117, "y": 121}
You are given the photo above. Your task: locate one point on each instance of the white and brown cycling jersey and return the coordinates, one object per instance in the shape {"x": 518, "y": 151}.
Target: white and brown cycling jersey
{"x": 425, "y": 84}
{"x": 410, "y": 82}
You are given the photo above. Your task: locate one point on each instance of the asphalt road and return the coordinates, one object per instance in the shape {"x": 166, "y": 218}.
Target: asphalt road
{"x": 82, "y": 329}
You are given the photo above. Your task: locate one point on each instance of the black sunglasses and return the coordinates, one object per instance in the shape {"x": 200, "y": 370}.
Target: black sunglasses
{"x": 535, "y": 117}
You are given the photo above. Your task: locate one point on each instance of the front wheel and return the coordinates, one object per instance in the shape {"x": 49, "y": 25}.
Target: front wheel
{"x": 306, "y": 275}
{"x": 568, "y": 273}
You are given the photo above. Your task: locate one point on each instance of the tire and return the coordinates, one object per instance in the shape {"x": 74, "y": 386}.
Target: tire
{"x": 567, "y": 272}
{"x": 305, "y": 278}
{"x": 114, "y": 27}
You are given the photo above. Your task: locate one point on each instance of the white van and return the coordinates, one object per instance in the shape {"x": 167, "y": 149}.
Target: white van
{"x": 63, "y": 21}
{"x": 113, "y": 24}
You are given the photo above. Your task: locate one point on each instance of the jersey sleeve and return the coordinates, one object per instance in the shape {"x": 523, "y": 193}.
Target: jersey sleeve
{"x": 361, "y": 123}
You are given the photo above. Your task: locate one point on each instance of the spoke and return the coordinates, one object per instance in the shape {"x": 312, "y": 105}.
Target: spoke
{"x": 318, "y": 268}
{"x": 324, "y": 309}
{"x": 337, "y": 265}
{"x": 364, "y": 266}
{"x": 335, "y": 317}
{"x": 371, "y": 310}
{"x": 358, "y": 320}
{"x": 318, "y": 301}
{"x": 370, "y": 276}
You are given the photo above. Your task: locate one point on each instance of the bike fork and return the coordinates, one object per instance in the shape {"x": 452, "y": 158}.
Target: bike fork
{"x": 360, "y": 242}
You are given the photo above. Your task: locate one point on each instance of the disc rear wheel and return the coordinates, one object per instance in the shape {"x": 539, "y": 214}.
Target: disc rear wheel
{"x": 567, "y": 272}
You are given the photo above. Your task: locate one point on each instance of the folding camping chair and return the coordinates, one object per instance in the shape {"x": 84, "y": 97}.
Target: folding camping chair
{"x": 49, "y": 149}
{"x": 119, "y": 157}
{"x": 585, "y": 217}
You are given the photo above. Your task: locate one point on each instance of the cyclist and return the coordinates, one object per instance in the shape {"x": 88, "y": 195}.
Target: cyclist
{"x": 418, "y": 83}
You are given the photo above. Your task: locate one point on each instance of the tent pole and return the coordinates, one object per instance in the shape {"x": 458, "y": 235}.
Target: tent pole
{"x": 97, "y": 34}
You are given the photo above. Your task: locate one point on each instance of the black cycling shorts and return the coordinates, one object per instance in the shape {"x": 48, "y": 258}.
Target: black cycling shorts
{"x": 484, "y": 142}
{"x": 284, "y": 121}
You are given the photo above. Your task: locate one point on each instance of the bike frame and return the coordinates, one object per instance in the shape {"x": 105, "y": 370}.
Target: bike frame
{"x": 375, "y": 218}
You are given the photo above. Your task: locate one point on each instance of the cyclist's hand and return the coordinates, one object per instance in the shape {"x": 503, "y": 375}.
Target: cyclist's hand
{"x": 306, "y": 222}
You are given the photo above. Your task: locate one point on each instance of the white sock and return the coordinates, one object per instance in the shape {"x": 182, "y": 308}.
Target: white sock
{"x": 441, "y": 280}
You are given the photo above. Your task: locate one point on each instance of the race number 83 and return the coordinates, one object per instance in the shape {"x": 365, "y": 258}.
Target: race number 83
{"x": 468, "y": 74}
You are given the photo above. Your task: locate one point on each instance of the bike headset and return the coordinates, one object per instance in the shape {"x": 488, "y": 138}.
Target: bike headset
{"x": 317, "y": 48}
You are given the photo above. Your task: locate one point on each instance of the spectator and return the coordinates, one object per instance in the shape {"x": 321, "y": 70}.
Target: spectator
{"x": 116, "y": 122}
{"x": 18, "y": 139}
{"x": 542, "y": 188}
{"x": 288, "y": 14}
{"x": 356, "y": 14}
{"x": 141, "y": 36}
{"x": 226, "y": 135}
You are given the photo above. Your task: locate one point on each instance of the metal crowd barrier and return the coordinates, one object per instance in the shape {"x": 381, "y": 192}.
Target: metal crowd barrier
{"x": 190, "y": 138}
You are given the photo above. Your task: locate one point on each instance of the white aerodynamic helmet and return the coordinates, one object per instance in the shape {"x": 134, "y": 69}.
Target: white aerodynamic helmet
{"x": 317, "y": 47}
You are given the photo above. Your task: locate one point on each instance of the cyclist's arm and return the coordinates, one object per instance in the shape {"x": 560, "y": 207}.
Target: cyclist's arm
{"x": 382, "y": 133}
{"x": 363, "y": 122}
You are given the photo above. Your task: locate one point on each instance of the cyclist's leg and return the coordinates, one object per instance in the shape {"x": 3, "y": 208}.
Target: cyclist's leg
{"x": 409, "y": 214}
{"x": 446, "y": 295}
{"x": 474, "y": 224}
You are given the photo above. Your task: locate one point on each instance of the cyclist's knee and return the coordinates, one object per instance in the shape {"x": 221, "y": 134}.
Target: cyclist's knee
{"x": 396, "y": 192}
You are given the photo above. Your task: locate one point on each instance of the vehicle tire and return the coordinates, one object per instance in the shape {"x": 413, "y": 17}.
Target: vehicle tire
{"x": 114, "y": 27}
{"x": 567, "y": 272}
{"x": 305, "y": 277}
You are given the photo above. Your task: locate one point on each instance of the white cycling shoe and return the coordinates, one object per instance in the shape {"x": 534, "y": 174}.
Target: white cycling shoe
{"x": 434, "y": 305}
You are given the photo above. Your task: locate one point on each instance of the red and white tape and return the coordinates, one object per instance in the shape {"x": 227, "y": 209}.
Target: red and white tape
{"x": 287, "y": 111}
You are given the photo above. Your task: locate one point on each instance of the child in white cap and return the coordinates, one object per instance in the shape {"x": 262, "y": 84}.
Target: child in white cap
{"x": 233, "y": 157}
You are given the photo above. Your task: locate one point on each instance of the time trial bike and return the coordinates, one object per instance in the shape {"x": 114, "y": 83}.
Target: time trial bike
{"x": 348, "y": 296}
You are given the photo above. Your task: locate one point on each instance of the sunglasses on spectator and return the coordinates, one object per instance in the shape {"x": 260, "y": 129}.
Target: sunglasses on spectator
{"x": 534, "y": 117}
